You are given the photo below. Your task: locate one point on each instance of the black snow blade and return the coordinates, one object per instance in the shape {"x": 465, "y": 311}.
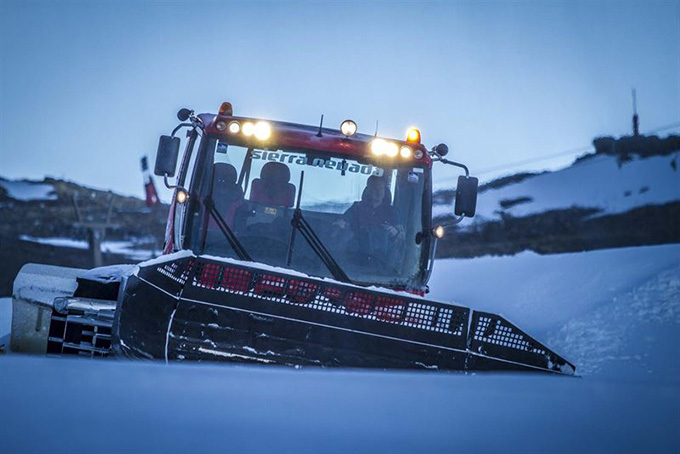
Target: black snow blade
{"x": 206, "y": 309}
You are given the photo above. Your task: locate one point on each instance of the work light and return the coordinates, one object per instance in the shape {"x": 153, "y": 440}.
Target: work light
{"x": 262, "y": 130}
{"x": 438, "y": 231}
{"x": 248, "y": 129}
{"x": 348, "y": 128}
{"x": 234, "y": 127}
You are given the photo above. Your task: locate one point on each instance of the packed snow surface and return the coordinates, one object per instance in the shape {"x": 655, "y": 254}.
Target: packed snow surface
{"x": 611, "y": 312}
{"x": 28, "y": 190}
{"x": 614, "y": 313}
{"x": 541, "y": 292}
{"x": 75, "y": 406}
{"x": 599, "y": 182}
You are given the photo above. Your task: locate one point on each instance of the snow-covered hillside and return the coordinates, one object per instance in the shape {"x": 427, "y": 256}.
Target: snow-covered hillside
{"x": 137, "y": 249}
{"x": 615, "y": 313}
{"x": 25, "y": 190}
{"x": 598, "y": 182}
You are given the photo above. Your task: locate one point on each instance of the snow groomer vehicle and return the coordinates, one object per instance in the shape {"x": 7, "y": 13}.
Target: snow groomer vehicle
{"x": 285, "y": 244}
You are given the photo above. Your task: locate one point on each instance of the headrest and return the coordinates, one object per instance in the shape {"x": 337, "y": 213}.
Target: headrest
{"x": 224, "y": 174}
{"x": 276, "y": 173}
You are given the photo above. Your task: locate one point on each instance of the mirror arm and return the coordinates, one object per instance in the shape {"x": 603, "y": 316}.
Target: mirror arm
{"x": 167, "y": 184}
{"x": 458, "y": 220}
{"x": 443, "y": 160}
{"x": 195, "y": 123}
{"x": 180, "y": 126}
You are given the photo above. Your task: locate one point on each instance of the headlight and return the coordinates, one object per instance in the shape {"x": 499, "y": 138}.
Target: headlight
{"x": 220, "y": 126}
{"x": 392, "y": 149}
{"x": 262, "y": 130}
{"x": 378, "y": 147}
{"x": 405, "y": 152}
{"x": 381, "y": 147}
{"x": 248, "y": 129}
{"x": 234, "y": 127}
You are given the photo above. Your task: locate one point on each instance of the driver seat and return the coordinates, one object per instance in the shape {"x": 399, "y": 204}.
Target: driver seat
{"x": 273, "y": 187}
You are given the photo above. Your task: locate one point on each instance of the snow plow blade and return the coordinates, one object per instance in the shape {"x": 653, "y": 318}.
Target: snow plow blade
{"x": 183, "y": 307}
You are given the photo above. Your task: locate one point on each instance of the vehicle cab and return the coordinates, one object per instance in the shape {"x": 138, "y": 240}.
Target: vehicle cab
{"x": 330, "y": 203}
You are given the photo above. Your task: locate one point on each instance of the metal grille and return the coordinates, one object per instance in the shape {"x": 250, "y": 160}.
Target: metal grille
{"x": 495, "y": 332}
{"x": 81, "y": 330}
{"x": 318, "y": 295}
{"x": 176, "y": 272}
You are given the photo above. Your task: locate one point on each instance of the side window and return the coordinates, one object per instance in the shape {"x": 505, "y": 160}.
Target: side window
{"x": 234, "y": 156}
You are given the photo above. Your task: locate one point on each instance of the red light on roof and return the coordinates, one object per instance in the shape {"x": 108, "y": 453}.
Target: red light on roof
{"x": 226, "y": 109}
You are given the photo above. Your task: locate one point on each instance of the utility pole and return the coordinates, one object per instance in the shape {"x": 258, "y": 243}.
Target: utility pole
{"x": 636, "y": 120}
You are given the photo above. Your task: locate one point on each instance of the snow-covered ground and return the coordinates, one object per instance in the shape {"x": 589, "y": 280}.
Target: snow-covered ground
{"x": 598, "y": 182}
{"x": 5, "y": 322}
{"x": 28, "y": 190}
{"x": 70, "y": 406}
{"x": 612, "y": 312}
{"x": 615, "y": 313}
{"x": 542, "y": 292}
{"x": 129, "y": 249}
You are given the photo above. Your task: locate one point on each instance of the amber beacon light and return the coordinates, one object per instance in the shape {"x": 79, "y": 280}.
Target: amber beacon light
{"x": 413, "y": 135}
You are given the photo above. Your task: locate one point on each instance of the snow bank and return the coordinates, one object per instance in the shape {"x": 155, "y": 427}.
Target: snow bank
{"x": 598, "y": 182}
{"x": 543, "y": 292}
{"x": 613, "y": 313}
{"x": 28, "y": 190}
{"x": 634, "y": 335}
{"x": 5, "y": 322}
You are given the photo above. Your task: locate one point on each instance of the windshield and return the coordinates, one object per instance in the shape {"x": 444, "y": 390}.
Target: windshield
{"x": 366, "y": 215}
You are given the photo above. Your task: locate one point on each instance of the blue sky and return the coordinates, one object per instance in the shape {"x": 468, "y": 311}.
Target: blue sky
{"x": 86, "y": 88}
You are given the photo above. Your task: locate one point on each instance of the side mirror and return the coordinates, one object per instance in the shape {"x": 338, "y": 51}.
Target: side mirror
{"x": 466, "y": 196}
{"x": 166, "y": 157}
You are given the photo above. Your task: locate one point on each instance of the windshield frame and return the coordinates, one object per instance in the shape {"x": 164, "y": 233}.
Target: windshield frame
{"x": 195, "y": 230}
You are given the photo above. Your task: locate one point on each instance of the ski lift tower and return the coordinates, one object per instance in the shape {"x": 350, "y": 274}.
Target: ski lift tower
{"x": 95, "y": 223}
{"x": 636, "y": 119}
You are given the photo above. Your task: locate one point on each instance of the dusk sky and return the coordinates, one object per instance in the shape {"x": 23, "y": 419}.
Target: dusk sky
{"x": 86, "y": 88}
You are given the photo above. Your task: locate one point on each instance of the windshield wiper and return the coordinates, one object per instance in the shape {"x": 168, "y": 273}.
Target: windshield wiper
{"x": 300, "y": 224}
{"x": 226, "y": 230}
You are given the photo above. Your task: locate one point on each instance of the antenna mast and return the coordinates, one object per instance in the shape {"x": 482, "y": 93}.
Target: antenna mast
{"x": 636, "y": 119}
